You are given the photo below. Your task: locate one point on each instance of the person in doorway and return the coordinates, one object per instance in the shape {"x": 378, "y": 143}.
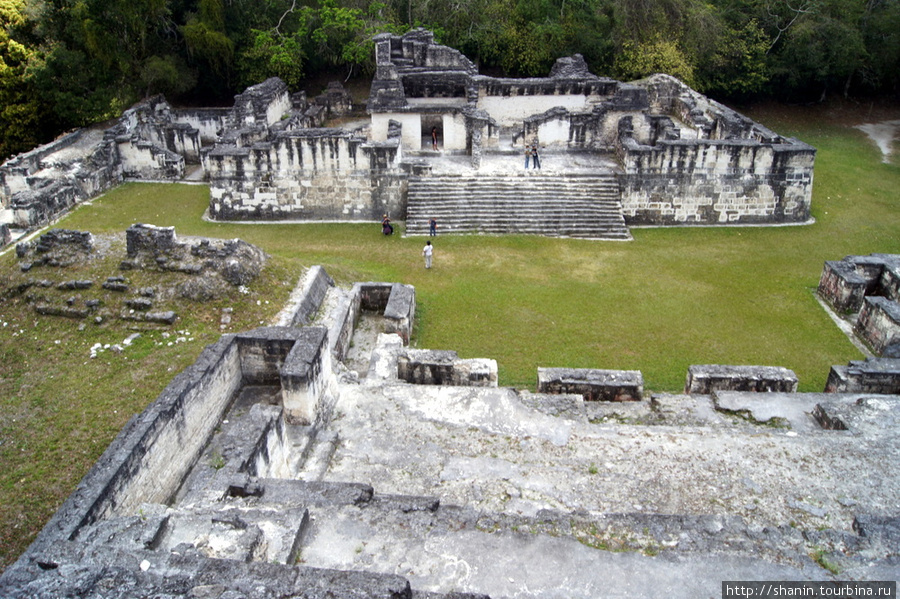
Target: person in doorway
{"x": 434, "y": 139}
{"x": 428, "y": 251}
{"x": 432, "y": 227}
{"x": 527, "y": 155}
{"x": 386, "y": 227}
{"x": 534, "y": 156}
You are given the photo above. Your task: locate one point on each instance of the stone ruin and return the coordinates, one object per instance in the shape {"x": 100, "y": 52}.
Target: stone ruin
{"x": 270, "y": 468}
{"x": 651, "y": 152}
{"x": 867, "y": 290}
{"x": 208, "y": 268}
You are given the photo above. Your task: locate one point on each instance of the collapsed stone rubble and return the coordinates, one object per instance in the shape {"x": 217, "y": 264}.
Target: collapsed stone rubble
{"x": 211, "y": 267}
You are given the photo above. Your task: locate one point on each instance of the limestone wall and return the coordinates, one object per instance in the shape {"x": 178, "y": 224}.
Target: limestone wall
{"x": 209, "y": 122}
{"x": 411, "y": 128}
{"x": 310, "y": 174}
{"x": 715, "y": 182}
{"x": 163, "y": 443}
{"x": 150, "y": 458}
{"x": 879, "y": 323}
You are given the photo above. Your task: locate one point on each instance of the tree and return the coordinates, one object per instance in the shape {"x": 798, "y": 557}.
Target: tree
{"x": 656, "y": 55}
{"x": 20, "y": 107}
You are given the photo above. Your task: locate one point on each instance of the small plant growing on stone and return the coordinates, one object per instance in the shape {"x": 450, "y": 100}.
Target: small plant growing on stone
{"x": 216, "y": 460}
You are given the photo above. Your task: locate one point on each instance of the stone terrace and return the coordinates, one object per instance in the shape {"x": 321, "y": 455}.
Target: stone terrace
{"x": 397, "y": 490}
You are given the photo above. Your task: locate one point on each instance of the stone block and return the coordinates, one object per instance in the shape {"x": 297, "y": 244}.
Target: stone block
{"x": 873, "y": 375}
{"x": 300, "y": 375}
{"x": 444, "y": 367}
{"x": 592, "y": 384}
{"x": 399, "y": 313}
{"x": 879, "y": 324}
{"x": 707, "y": 378}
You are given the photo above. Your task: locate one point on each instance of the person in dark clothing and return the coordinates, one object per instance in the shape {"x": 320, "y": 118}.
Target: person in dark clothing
{"x": 386, "y": 227}
{"x": 534, "y": 156}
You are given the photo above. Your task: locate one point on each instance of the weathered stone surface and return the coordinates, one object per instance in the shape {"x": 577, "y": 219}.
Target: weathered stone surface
{"x": 302, "y": 380}
{"x": 880, "y": 375}
{"x": 211, "y": 492}
{"x": 706, "y": 378}
{"x": 593, "y": 384}
{"x": 443, "y": 367}
{"x": 164, "y": 317}
{"x": 879, "y": 323}
{"x": 57, "y": 247}
{"x": 399, "y": 313}
{"x": 316, "y": 286}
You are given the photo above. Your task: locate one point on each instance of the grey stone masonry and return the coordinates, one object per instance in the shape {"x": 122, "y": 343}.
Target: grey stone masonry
{"x": 879, "y": 324}
{"x": 551, "y": 205}
{"x": 301, "y": 374}
{"x": 869, "y": 288}
{"x": 845, "y": 283}
{"x": 707, "y": 378}
{"x": 400, "y": 311}
{"x": 878, "y": 375}
{"x": 842, "y": 286}
{"x": 444, "y": 367}
{"x": 592, "y": 384}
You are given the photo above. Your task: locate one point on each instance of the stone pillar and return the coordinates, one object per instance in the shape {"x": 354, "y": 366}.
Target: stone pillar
{"x": 302, "y": 377}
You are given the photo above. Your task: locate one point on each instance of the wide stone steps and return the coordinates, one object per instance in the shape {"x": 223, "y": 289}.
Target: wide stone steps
{"x": 556, "y": 206}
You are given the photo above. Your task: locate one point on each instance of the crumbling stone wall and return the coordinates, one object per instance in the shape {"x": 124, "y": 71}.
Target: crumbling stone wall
{"x": 685, "y": 159}
{"x": 721, "y": 182}
{"x": 145, "y": 143}
{"x": 592, "y": 384}
{"x": 310, "y": 174}
{"x": 868, "y": 286}
{"x": 879, "y": 324}
{"x": 707, "y": 378}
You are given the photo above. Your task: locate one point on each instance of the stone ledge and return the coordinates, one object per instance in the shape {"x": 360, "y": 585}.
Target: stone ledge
{"x": 706, "y": 378}
{"x": 593, "y": 384}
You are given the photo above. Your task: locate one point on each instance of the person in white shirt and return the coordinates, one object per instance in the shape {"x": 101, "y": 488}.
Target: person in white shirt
{"x": 427, "y": 252}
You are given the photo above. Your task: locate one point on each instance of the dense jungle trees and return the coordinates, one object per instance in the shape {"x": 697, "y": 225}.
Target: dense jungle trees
{"x": 68, "y": 63}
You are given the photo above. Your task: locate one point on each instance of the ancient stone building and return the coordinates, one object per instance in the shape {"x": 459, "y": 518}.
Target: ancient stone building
{"x": 651, "y": 152}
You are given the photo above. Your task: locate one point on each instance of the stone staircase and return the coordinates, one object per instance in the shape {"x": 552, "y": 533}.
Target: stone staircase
{"x": 583, "y": 206}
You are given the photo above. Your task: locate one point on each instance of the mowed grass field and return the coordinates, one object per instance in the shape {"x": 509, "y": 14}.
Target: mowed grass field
{"x": 671, "y": 298}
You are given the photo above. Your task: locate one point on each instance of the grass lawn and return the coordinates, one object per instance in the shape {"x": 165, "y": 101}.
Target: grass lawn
{"x": 671, "y": 298}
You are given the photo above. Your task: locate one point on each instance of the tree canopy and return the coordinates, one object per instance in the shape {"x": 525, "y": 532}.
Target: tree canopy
{"x": 68, "y": 63}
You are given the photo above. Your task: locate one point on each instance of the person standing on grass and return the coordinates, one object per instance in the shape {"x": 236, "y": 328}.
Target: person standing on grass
{"x": 432, "y": 227}
{"x": 427, "y": 251}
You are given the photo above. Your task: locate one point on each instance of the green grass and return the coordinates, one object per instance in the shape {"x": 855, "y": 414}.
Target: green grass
{"x": 671, "y": 298}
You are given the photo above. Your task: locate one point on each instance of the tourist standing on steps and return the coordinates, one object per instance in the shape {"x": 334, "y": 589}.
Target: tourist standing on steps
{"x": 432, "y": 227}
{"x": 534, "y": 155}
{"x": 434, "y": 138}
{"x": 427, "y": 251}
{"x": 527, "y": 155}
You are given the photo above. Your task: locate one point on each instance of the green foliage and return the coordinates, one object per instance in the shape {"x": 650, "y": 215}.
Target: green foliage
{"x": 656, "y": 55}
{"x": 273, "y": 55}
{"x": 167, "y": 75}
{"x": 67, "y": 63}
{"x": 207, "y": 42}
{"x": 738, "y": 65}
{"x": 20, "y": 108}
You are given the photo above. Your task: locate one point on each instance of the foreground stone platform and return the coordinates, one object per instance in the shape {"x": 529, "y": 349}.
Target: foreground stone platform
{"x": 390, "y": 489}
